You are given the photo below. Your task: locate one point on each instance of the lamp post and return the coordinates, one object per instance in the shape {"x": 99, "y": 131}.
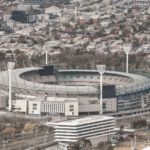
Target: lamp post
{"x": 101, "y": 70}
{"x": 46, "y": 57}
{"x": 127, "y": 48}
{"x": 10, "y": 66}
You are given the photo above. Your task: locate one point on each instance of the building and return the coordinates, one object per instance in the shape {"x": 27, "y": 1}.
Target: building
{"x": 88, "y": 18}
{"x": 71, "y": 107}
{"x": 34, "y": 107}
{"x": 33, "y": 2}
{"x": 138, "y": 3}
{"x": 20, "y": 105}
{"x": 4, "y": 27}
{"x": 60, "y": 105}
{"x": 3, "y": 99}
{"x": 25, "y": 16}
{"x": 110, "y": 105}
{"x": 96, "y": 128}
{"x": 43, "y": 2}
{"x": 141, "y": 3}
{"x": 121, "y": 91}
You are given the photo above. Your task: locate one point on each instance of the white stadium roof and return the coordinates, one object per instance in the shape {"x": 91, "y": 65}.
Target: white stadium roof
{"x": 140, "y": 83}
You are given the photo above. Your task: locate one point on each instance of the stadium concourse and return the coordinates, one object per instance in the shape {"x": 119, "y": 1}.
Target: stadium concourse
{"x": 48, "y": 90}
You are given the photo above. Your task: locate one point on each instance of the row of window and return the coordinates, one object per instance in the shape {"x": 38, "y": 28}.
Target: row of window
{"x": 87, "y": 130}
{"x": 86, "y": 125}
{"x": 53, "y": 108}
{"x": 105, "y": 131}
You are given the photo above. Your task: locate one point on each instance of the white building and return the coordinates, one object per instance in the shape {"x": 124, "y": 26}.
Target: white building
{"x": 53, "y": 10}
{"x": 53, "y": 105}
{"x": 60, "y": 105}
{"x": 96, "y": 128}
{"x": 20, "y": 105}
{"x": 71, "y": 107}
{"x": 34, "y": 107}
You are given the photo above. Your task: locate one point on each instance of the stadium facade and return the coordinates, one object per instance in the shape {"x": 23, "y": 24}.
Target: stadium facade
{"x": 51, "y": 91}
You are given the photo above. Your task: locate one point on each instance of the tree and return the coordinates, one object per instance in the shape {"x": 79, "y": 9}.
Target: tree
{"x": 9, "y": 132}
{"x": 29, "y": 127}
{"x": 139, "y": 123}
{"x": 104, "y": 146}
{"x": 81, "y": 144}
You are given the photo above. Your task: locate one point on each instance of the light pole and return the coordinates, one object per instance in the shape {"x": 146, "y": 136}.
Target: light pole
{"x": 127, "y": 48}
{"x": 10, "y": 66}
{"x": 101, "y": 70}
{"x": 46, "y": 57}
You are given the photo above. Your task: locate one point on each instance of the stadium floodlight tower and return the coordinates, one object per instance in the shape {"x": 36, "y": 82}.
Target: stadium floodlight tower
{"x": 101, "y": 70}
{"x": 46, "y": 57}
{"x": 10, "y": 66}
{"x": 127, "y": 48}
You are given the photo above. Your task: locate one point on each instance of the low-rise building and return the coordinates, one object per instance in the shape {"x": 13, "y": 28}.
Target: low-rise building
{"x": 96, "y": 128}
{"x": 25, "y": 15}
{"x": 20, "y": 105}
{"x": 71, "y": 107}
{"x": 60, "y": 105}
{"x": 34, "y": 107}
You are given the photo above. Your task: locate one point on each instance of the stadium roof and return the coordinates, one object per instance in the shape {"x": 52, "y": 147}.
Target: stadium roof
{"x": 140, "y": 83}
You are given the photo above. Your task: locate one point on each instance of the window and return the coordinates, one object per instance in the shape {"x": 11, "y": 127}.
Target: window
{"x": 71, "y": 109}
{"x": 104, "y": 106}
{"x": 71, "y": 106}
{"x": 34, "y": 106}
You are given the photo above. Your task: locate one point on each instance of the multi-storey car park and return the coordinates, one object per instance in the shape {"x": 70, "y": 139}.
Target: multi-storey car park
{"x": 96, "y": 128}
{"x": 65, "y": 91}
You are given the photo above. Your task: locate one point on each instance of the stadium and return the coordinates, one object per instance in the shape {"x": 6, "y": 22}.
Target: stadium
{"x": 74, "y": 92}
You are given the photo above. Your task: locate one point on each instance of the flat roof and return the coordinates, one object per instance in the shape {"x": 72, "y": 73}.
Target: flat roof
{"x": 82, "y": 121}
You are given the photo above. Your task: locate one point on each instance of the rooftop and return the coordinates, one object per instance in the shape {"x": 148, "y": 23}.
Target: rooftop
{"x": 82, "y": 121}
